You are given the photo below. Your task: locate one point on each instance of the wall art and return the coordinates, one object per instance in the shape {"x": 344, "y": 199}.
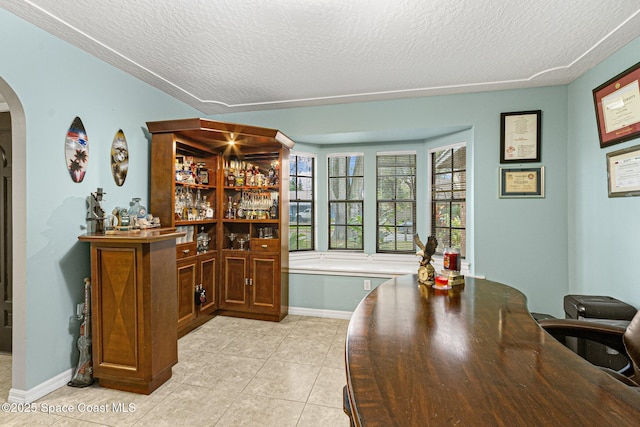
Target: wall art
{"x": 119, "y": 158}
{"x": 520, "y": 136}
{"x": 623, "y": 172}
{"x": 76, "y": 149}
{"x": 617, "y": 104}
{"x": 521, "y": 182}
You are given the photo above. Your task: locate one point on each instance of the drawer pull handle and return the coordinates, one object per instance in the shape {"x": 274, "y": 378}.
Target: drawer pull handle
{"x": 186, "y": 251}
{"x": 263, "y": 246}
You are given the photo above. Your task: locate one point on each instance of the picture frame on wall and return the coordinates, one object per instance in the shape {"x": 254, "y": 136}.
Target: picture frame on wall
{"x": 617, "y": 106}
{"x": 623, "y": 172}
{"x": 521, "y": 182}
{"x": 520, "y": 136}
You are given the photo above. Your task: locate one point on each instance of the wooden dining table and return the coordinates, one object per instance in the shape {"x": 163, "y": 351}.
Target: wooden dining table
{"x": 470, "y": 356}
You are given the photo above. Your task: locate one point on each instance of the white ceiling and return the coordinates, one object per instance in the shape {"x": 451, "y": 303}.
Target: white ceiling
{"x": 224, "y": 56}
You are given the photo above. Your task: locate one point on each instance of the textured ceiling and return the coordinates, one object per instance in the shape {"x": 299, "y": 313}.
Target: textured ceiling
{"x": 239, "y": 55}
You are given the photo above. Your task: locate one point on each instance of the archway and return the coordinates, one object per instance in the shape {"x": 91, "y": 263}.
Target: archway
{"x": 19, "y": 248}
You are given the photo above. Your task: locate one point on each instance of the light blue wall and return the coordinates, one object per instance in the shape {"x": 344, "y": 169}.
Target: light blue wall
{"x": 56, "y": 82}
{"x": 574, "y": 240}
{"x": 520, "y": 242}
{"x": 322, "y": 292}
{"x": 604, "y": 233}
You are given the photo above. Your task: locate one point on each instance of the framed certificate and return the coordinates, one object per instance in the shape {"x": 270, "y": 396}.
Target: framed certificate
{"x": 617, "y": 104}
{"x": 623, "y": 172}
{"x": 520, "y": 135}
{"x": 521, "y": 182}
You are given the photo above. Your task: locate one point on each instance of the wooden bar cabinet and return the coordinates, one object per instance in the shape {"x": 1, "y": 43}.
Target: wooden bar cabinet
{"x": 227, "y": 184}
{"x": 133, "y": 305}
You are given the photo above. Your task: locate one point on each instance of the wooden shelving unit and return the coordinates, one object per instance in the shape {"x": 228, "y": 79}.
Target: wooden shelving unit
{"x": 246, "y": 282}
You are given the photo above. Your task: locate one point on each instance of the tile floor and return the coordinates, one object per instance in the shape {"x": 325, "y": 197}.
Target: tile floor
{"x": 231, "y": 372}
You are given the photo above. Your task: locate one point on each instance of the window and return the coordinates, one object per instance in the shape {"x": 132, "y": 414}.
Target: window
{"x": 301, "y": 206}
{"x": 346, "y": 193}
{"x": 448, "y": 197}
{"x": 396, "y": 202}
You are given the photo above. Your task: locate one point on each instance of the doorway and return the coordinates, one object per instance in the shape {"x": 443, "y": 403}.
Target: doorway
{"x": 6, "y": 257}
{"x": 17, "y": 242}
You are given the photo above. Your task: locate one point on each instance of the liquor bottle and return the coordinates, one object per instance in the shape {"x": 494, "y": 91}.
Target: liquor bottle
{"x": 231, "y": 178}
{"x": 202, "y": 241}
{"x": 273, "y": 211}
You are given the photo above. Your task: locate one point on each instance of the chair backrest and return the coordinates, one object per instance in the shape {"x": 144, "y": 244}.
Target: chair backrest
{"x": 631, "y": 340}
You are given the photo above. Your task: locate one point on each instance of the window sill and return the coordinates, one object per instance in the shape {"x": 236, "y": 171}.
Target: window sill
{"x": 359, "y": 264}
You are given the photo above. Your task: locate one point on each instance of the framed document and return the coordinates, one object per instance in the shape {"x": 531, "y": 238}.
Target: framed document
{"x": 520, "y": 135}
{"x": 617, "y": 104}
{"x": 521, "y": 182}
{"x": 623, "y": 172}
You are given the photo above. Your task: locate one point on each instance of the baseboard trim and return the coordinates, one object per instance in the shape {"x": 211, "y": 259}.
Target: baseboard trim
{"x": 42, "y": 389}
{"x": 318, "y": 312}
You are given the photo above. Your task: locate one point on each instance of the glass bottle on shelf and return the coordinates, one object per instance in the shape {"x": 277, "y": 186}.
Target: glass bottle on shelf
{"x": 136, "y": 209}
{"x": 209, "y": 212}
{"x": 273, "y": 211}
{"x": 229, "y": 214}
{"x": 271, "y": 176}
{"x": 231, "y": 178}
{"x": 202, "y": 241}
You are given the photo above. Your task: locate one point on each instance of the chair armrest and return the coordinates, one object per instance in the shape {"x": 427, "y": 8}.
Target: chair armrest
{"x": 609, "y": 335}
{"x": 620, "y": 377}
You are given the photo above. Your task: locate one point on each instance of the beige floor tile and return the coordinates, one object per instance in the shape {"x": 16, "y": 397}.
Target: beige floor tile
{"x": 250, "y": 411}
{"x": 341, "y": 335}
{"x": 290, "y": 381}
{"x": 70, "y": 422}
{"x": 106, "y": 406}
{"x": 322, "y": 416}
{"x": 319, "y": 329}
{"x": 291, "y": 318}
{"x": 326, "y": 320}
{"x": 226, "y": 372}
{"x": 343, "y": 326}
{"x": 209, "y": 340}
{"x": 190, "y": 362}
{"x": 253, "y": 344}
{"x": 335, "y": 356}
{"x": 228, "y": 323}
{"x": 189, "y": 405}
{"x": 302, "y": 350}
{"x": 327, "y": 390}
{"x": 281, "y": 329}
{"x": 13, "y": 416}
{"x": 5, "y": 376}
{"x": 276, "y": 367}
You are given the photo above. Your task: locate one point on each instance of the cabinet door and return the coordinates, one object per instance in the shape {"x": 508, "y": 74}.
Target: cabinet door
{"x": 118, "y": 318}
{"x": 208, "y": 281}
{"x": 265, "y": 283}
{"x": 187, "y": 272}
{"x": 235, "y": 276}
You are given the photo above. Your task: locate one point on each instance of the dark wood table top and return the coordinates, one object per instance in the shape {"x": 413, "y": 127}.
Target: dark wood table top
{"x": 417, "y": 356}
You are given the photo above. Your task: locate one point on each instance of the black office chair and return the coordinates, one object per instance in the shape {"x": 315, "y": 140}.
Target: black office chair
{"x": 625, "y": 341}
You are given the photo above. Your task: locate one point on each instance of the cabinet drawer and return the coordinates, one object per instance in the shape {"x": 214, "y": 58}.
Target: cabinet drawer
{"x": 265, "y": 245}
{"x": 185, "y": 250}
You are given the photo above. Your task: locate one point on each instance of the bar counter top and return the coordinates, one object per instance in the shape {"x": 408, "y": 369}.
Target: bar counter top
{"x": 473, "y": 356}
{"x": 134, "y": 236}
